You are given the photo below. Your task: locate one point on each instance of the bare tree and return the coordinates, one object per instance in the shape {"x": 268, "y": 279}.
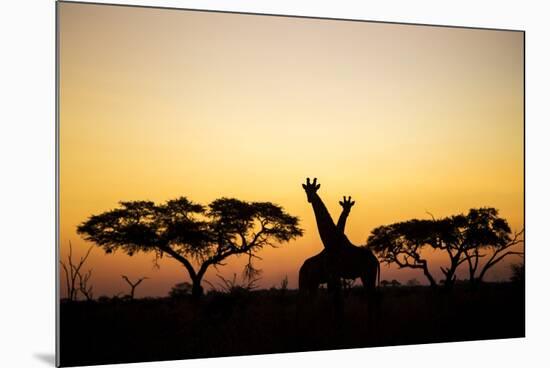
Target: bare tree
{"x": 77, "y": 282}
{"x": 133, "y": 285}
{"x": 83, "y": 286}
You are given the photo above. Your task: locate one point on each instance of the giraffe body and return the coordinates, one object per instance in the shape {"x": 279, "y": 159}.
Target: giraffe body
{"x": 356, "y": 262}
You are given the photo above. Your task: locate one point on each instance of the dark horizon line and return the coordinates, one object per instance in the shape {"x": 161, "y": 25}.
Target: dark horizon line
{"x": 278, "y": 288}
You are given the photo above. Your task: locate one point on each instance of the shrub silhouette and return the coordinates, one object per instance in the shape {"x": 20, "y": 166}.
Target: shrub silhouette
{"x": 194, "y": 235}
{"x": 181, "y": 290}
{"x": 518, "y": 273}
{"x": 394, "y": 283}
{"x": 413, "y": 282}
{"x": 233, "y": 286}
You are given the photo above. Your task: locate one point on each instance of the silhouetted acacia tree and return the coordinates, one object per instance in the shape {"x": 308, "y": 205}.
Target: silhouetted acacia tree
{"x": 464, "y": 238}
{"x": 194, "y": 235}
{"x": 401, "y": 243}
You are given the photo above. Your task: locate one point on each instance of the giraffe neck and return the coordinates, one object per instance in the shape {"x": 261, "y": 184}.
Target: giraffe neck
{"x": 328, "y": 232}
{"x": 342, "y": 220}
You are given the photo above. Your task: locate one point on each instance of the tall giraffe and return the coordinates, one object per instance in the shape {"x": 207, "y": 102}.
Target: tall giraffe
{"x": 315, "y": 270}
{"x": 340, "y": 258}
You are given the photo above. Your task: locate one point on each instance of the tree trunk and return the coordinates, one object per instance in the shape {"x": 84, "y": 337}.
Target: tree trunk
{"x": 433, "y": 284}
{"x": 449, "y": 281}
{"x": 479, "y": 279}
{"x": 450, "y": 276}
{"x": 197, "y": 291}
{"x": 474, "y": 283}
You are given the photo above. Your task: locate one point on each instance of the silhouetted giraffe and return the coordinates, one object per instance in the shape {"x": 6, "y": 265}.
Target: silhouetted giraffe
{"x": 340, "y": 258}
{"x": 315, "y": 269}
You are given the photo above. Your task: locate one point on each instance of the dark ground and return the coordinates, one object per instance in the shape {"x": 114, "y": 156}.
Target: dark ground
{"x": 276, "y": 321}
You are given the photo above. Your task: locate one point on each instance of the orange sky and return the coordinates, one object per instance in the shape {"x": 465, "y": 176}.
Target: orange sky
{"x": 156, "y": 104}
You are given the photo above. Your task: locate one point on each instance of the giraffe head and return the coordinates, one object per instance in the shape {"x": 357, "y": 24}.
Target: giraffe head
{"x": 347, "y": 203}
{"x": 311, "y": 188}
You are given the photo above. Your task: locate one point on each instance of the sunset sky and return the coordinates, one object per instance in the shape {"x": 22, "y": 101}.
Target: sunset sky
{"x": 157, "y": 104}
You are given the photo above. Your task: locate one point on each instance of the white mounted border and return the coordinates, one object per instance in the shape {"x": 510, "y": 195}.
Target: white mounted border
{"x": 27, "y": 151}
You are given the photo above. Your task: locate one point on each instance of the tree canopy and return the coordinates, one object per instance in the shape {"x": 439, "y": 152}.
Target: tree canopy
{"x": 197, "y": 236}
{"x": 466, "y": 239}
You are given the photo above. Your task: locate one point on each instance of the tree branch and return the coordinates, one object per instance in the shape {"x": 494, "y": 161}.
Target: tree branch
{"x": 497, "y": 256}
{"x": 178, "y": 257}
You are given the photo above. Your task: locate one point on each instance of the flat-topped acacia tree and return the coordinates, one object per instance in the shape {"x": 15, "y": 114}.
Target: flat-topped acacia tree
{"x": 197, "y": 236}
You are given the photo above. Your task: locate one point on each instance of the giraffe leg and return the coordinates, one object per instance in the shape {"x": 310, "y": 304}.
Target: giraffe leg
{"x": 373, "y": 303}
{"x": 369, "y": 281}
{"x": 334, "y": 285}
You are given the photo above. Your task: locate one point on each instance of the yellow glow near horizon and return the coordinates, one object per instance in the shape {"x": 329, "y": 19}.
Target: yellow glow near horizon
{"x": 156, "y": 104}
